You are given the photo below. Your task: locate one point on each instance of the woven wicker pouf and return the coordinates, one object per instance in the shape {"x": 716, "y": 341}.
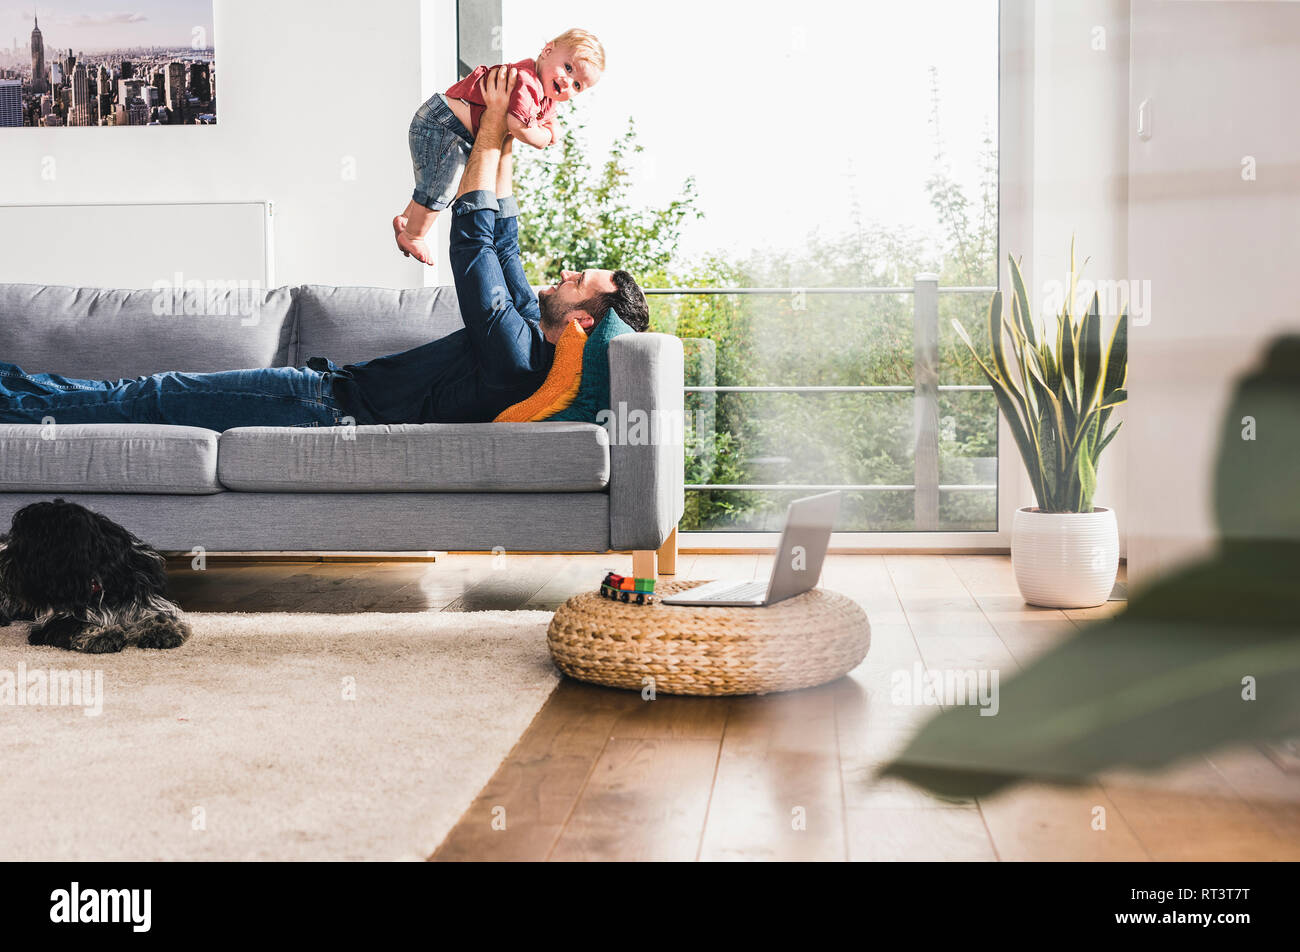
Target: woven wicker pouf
{"x": 797, "y": 643}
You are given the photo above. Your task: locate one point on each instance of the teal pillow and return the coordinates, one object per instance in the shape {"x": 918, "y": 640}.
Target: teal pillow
{"x": 593, "y": 392}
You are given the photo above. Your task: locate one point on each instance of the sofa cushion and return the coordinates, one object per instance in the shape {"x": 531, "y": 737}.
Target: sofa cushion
{"x": 97, "y": 334}
{"x": 349, "y": 325}
{"x": 417, "y": 457}
{"x": 562, "y": 381}
{"x": 593, "y": 394}
{"x": 108, "y": 458}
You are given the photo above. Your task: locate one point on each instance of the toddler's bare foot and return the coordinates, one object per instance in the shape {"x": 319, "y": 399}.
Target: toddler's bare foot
{"x": 399, "y": 226}
{"x": 415, "y": 248}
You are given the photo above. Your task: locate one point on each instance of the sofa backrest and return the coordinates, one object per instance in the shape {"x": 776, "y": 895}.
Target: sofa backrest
{"x": 349, "y": 325}
{"x": 97, "y": 333}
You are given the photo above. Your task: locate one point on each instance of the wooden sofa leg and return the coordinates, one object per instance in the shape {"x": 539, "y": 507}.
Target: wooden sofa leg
{"x": 643, "y": 563}
{"x": 668, "y": 554}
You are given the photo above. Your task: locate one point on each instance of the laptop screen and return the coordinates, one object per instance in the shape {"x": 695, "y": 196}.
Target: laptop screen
{"x": 804, "y": 540}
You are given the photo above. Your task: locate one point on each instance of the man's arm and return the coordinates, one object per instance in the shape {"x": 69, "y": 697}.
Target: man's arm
{"x": 508, "y": 345}
{"x": 506, "y": 238}
{"x": 506, "y": 169}
{"x": 485, "y": 158}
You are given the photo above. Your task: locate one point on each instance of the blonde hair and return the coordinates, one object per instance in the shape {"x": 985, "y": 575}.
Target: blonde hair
{"x": 584, "y": 46}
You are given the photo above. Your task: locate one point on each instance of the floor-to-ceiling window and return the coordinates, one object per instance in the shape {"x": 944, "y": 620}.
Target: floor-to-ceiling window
{"x": 809, "y": 190}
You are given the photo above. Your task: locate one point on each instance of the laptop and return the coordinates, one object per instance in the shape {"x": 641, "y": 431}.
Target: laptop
{"x": 798, "y": 566}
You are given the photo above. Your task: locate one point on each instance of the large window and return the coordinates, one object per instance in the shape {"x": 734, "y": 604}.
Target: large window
{"x": 810, "y": 190}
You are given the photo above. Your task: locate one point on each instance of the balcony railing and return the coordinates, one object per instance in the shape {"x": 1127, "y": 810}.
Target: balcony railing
{"x": 925, "y": 484}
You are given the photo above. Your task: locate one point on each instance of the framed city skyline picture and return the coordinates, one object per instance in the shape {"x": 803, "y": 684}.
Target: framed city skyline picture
{"x": 107, "y": 63}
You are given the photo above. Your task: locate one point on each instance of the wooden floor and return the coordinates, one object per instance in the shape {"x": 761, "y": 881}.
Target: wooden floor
{"x": 603, "y": 775}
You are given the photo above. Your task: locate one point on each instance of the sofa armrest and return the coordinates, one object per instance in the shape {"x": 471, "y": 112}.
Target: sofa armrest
{"x": 646, "y": 426}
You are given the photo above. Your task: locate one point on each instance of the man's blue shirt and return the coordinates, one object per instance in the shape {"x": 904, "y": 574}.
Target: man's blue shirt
{"x": 498, "y": 359}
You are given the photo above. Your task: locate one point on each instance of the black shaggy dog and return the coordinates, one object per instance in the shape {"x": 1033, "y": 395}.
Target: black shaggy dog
{"x": 85, "y": 582}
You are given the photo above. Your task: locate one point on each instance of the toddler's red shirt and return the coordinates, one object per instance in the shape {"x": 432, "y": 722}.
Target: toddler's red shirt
{"x": 528, "y": 103}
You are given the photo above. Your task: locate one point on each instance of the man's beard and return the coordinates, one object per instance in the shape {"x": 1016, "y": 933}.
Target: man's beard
{"x": 553, "y": 317}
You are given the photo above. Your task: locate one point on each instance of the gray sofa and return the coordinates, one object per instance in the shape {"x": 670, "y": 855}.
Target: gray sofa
{"x": 523, "y": 486}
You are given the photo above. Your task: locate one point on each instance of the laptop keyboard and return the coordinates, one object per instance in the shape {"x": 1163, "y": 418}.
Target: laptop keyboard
{"x": 744, "y": 591}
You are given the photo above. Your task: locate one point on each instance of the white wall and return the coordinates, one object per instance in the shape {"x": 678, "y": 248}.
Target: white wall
{"x": 308, "y": 92}
{"x": 1080, "y": 170}
{"x": 1220, "y": 250}
{"x": 1065, "y": 154}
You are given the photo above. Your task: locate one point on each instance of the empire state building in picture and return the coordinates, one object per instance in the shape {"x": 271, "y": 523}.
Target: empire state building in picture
{"x": 39, "y": 82}
{"x": 120, "y": 69}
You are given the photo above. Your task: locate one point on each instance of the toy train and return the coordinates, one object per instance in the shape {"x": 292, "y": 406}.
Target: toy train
{"x": 628, "y": 589}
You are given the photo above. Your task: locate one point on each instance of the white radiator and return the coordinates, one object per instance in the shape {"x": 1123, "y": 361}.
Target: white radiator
{"x": 138, "y": 244}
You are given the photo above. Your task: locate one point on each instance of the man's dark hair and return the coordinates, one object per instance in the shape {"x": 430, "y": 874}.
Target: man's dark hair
{"x": 627, "y": 300}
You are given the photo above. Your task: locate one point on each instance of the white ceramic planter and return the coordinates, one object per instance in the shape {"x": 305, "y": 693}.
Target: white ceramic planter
{"x": 1065, "y": 559}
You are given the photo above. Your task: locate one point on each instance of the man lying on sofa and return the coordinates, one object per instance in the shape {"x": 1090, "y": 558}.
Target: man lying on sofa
{"x": 499, "y": 358}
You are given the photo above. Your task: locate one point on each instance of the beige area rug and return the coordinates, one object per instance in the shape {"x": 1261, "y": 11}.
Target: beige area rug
{"x": 266, "y": 737}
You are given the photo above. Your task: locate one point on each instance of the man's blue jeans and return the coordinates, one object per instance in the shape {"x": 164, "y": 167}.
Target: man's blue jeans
{"x": 274, "y": 396}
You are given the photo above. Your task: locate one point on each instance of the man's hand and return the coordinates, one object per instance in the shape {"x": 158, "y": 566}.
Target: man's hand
{"x": 497, "y": 86}
{"x": 538, "y": 136}
{"x": 557, "y": 131}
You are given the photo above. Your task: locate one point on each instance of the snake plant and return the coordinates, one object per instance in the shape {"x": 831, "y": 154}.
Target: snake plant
{"x": 1057, "y": 395}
